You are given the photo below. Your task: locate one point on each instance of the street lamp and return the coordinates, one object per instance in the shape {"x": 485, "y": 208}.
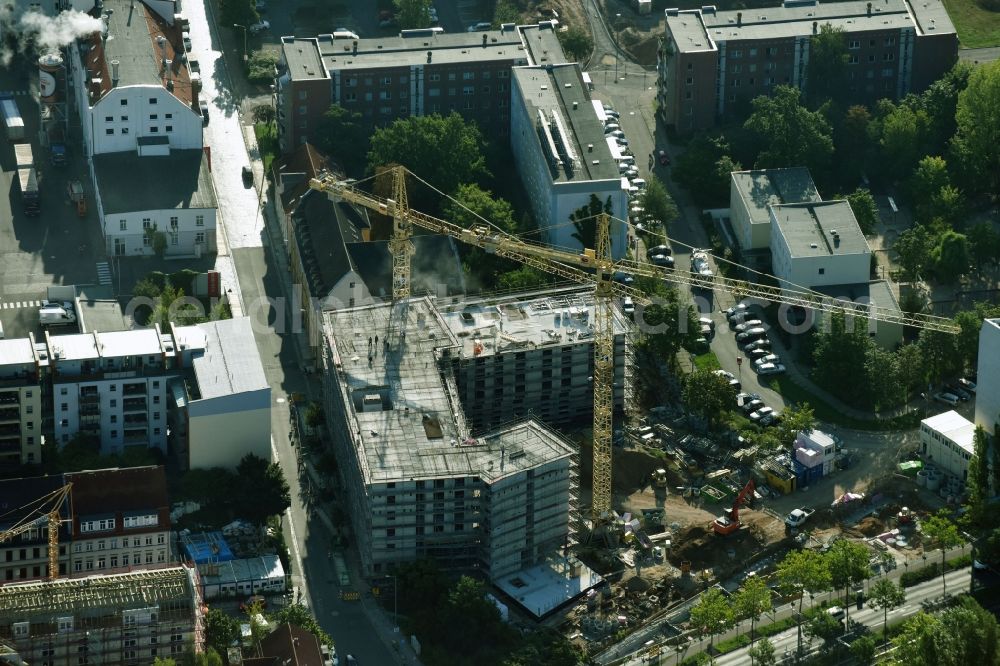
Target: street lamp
{"x": 244, "y": 29}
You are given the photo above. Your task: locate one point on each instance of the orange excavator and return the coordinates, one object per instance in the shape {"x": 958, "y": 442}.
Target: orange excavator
{"x": 729, "y": 522}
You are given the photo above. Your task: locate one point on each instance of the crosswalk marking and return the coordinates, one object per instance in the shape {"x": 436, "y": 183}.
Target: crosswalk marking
{"x": 103, "y": 273}
{"x": 16, "y": 93}
{"x": 17, "y": 305}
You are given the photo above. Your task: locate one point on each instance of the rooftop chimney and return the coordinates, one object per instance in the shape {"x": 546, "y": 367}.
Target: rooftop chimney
{"x": 815, "y": 26}
{"x": 869, "y": 9}
{"x": 484, "y": 40}
{"x": 429, "y": 55}
{"x": 739, "y": 19}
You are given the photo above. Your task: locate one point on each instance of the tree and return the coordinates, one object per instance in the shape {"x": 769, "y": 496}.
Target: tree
{"x": 882, "y": 374}
{"x": 263, "y": 488}
{"x": 763, "y": 653}
{"x": 827, "y": 69}
{"x": 712, "y": 614}
{"x": 840, "y": 355}
{"x": 978, "y": 127}
{"x": 979, "y": 475}
{"x": 470, "y": 205}
{"x": 263, "y": 114}
{"x": 848, "y": 565}
{"x": 852, "y": 142}
{"x": 658, "y": 204}
{"x": 300, "y": 616}
{"x": 795, "y": 419}
{"x": 886, "y": 595}
{"x": 260, "y": 66}
{"x": 911, "y": 369}
{"x": 667, "y": 324}
{"x": 939, "y": 354}
{"x": 342, "y": 135}
{"x": 865, "y": 209}
{"x": 801, "y": 572}
{"x": 964, "y": 634}
{"x": 752, "y": 600}
{"x": 413, "y": 13}
{"x": 913, "y": 250}
{"x": 863, "y": 650}
{"x": 239, "y": 12}
{"x": 220, "y": 630}
{"x": 524, "y": 278}
{"x": 903, "y": 131}
{"x": 944, "y": 534}
{"x": 586, "y": 218}
{"x": 984, "y": 244}
{"x": 951, "y": 256}
{"x": 444, "y": 151}
{"x": 927, "y": 180}
{"x": 704, "y": 169}
{"x": 576, "y": 42}
{"x": 791, "y": 134}
{"x": 824, "y": 626}
{"x": 708, "y": 395}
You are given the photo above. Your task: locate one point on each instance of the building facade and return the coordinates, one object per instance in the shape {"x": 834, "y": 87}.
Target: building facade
{"x": 26, "y": 556}
{"x": 383, "y": 79}
{"x": 988, "y": 378}
{"x": 947, "y": 442}
{"x": 562, "y": 156}
{"x": 712, "y": 63}
{"x": 118, "y": 619}
{"x": 752, "y": 193}
{"x": 20, "y": 403}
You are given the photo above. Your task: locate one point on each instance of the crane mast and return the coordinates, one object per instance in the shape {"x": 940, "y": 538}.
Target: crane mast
{"x": 55, "y": 499}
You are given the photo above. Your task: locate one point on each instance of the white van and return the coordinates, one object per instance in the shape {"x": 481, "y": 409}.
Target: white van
{"x": 54, "y": 315}
{"x": 345, "y": 34}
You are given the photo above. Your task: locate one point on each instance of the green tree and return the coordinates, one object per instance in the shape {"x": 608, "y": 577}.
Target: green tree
{"x": 586, "y": 218}
{"x": 704, "y": 169}
{"x": 914, "y": 249}
{"x": 412, "y": 14}
{"x": 220, "y": 630}
{"x": 951, "y": 256}
{"x": 984, "y": 245}
{"x": 848, "y": 565}
{"x": 668, "y": 325}
{"x": 795, "y": 419}
{"x": 791, "y": 134}
{"x": 863, "y": 650}
{"x": 927, "y": 180}
{"x": 978, "y": 127}
{"x": 827, "y": 69}
{"x": 882, "y": 374}
{"x": 658, "y": 204}
{"x": 545, "y": 646}
{"x": 964, "y": 634}
{"x": 763, "y": 653}
{"x": 524, "y": 278}
{"x": 263, "y": 114}
{"x": 342, "y": 135}
{"x": 865, "y": 209}
{"x": 239, "y": 12}
{"x": 470, "y": 206}
{"x": 803, "y": 571}
{"x": 824, "y": 626}
{"x": 945, "y": 535}
{"x": 576, "y": 42}
{"x": 207, "y": 658}
{"x": 708, "y": 395}
{"x": 853, "y": 143}
{"x": 444, "y": 151}
{"x": 712, "y": 614}
{"x": 979, "y": 475}
{"x": 939, "y": 354}
{"x": 752, "y": 600}
{"x": 839, "y": 357}
{"x": 903, "y": 131}
{"x": 260, "y": 66}
{"x": 263, "y": 489}
{"x": 886, "y": 595}
{"x": 300, "y": 616}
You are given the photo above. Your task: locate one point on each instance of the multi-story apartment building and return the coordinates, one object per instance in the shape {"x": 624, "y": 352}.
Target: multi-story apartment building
{"x": 26, "y": 556}
{"x": 988, "y": 390}
{"x": 118, "y": 619}
{"x": 713, "y": 63}
{"x": 528, "y": 356}
{"x": 121, "y": 520}
{"x": 415, "y": 74}
{"x": 20, "y": 403}
{"x": 420, "y": 483}
{"x": 563, "y": 155}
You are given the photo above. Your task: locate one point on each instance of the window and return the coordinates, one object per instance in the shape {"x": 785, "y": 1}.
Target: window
{"x": 752, "y": 68}
{"x": 433, "y": 92}
{"x": 199, "y": 220}
{"x": 124, "y": 130}
{"x": 352, "y": 97}
{"x": 124, "y": 102}
{"x": 173, "y": 222}
{"x": 737, "y": 69}
{"x": 888, "y": 57}
{"x": 352, "y": 82}
{"x": 890, "y": 41}
{"x": 199, "y": 238}
{"x": 451, "y": 76}
{"x": 887, "y": 72}
{"x": 735, "y": 54}
{"x": 384, "y": 95}
{"x": 147, "y": 224}
{"x": 871, "y": 57}
{"x": 736, "y": 83}
{"x": 853, "y": 59}
{"x": 486, "y": 90}
{"x": 435, "y": 77}
{"x": 689, "y": 81}
{"x": 451, "y": 92}
{"x": 386, "y": 80}
{"x": 468, "y": 90}
{"x": 109, "y": 131}
{"x": 65, "y": 407}
{"x": 468, "y": 76}
{"x": 822, "y": 271}
{"x": 168, "y": 128}
{"x": 174, "y": 238}
{"x": 303, "y": 110}
{"x": 122, "y": 225}
{"x": 168, "y": 116}
{"x": 687, "y": 94}
{"x": 503, "y": 74}
{"x": 871, "y": 43}
{"x": 855, "y": 44}
{"x": 152, "y": 100}
{"x": 152, "y": 116}
{"x": 772, "y": 50}
{"x": 368, "y": 97}
{"x": 109, "y": 119}
{"x": 753, "y": 52}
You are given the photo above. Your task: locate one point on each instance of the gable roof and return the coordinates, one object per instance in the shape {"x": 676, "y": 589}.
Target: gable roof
{"x": 119, "y": 489}
{"x": 294, "y": 171}
{"x": 288, "y": 645}
{"x": 322, "y": 229}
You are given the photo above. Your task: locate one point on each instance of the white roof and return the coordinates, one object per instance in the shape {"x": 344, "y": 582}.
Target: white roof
{"x": 16, "y": 351}
{"x": 231, "y": 363}
{"x": 954, "y": 427}
{"x": 137, "y": 342}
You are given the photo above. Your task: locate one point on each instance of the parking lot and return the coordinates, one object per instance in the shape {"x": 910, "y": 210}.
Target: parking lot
{"x": 57, "y": 246}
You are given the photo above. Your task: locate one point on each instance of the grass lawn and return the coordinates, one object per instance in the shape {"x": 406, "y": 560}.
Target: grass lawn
{"x": 823, "y": 410}
{"x": 707, "y": 361}
{"x": 267, "y": 143}
{"x": 976, "y": 27}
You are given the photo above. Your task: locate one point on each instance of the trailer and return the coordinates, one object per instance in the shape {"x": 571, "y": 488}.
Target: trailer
{"x": 27, "y": 179}
{"x": 13, "y": 122}
{"x": 24, "y": 155}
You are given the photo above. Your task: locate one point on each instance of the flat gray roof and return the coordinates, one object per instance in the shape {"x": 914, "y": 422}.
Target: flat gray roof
{"x": 129, "y": 183}
{"x": 100, "y": 315}
{"x": 139, "y": 342}
{"x": 542, "y": 44}
{"x": 301, "y": 55}
{"x": 74, "y": 347}
{"x": 877, "y": 292}
{"x": 403, "y": 412}
{"x": 457, "y": 47}
{"x": 231, "y": 363}
{"x": 554, "y": 92}
{"x": 131, "y": 44}
{"x": 809, "y": 228}
{"x": 697, "y": 31}
{"x": 16, "y": 351}
{"x": 762, "y": 188}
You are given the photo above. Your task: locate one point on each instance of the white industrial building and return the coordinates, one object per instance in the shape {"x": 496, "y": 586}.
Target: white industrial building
{"x": 227, "y": 403}
{"x": 752, "y": 193}
{"x": 988, "y": 389}
{"x": 817, "y": 244}
{"x": 947, "y": 442}
{"x": 255, "y": 575}
{"x": 562, "y": 155}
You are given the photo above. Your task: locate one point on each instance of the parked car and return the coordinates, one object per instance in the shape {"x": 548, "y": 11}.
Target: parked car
{"x": 738, "y": 309}
{"x": 628, "y": 306}
{"x": 260, "y": 27}
{"x": 958, "y": 392}
{"x": 640, "y": 183}
{"x": 611, "y": 113}
{"x": 751, "y": 334}
{"x": 754, "y": 354}
{"x": 621, "y": 140}
{"x": 662, "y": 260}
{"x": 612, "y": 127}
{"x": 747, "y": 325}
{"x": 751, "y": 406}
{"x": 664, "y": 158}
{"x": 946, "y": 398}
{"x": 186, "y": 39}
{"x": 203, "y": 105}
{"x": 770, "y": 369}
{"x": 247, "y": 175}
{"x": 761, "y": 413}
{"x": 707, "y": 321}
{"x": 658, "y": 249}
{"x": 967, "y": 384}
{"x": 769, "y": 358}
{"x": 757, "y": 343}
{"x": 482, "y": 26}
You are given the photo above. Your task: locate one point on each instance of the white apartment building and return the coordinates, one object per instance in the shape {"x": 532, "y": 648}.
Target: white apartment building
{"x": 20, "y": 403}
{"x": 562, "y": 156}
{"x": 947, "y": 442}
{"x": 752, "y": 193}
{"x": 818, "y": 244}
{"x": 988, "y": 389}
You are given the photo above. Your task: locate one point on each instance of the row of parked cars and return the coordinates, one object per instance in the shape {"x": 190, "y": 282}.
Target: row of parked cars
{"x": 751, "y": 337}
{"x": 754, "y": 408}
{"x": 626, "y": 166}
{"x": 960, "y": 390}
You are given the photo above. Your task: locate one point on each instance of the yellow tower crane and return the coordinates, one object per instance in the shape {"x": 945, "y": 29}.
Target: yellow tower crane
{"x": 43, "y": 512}
{"x": 591, "y": 267}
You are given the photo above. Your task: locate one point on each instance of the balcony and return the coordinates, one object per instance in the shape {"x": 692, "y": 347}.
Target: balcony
{"x": 10, "y": 415}
{"x": 134, "y": 405}
{"x": 10, "y": 431}
{"x": 136, "y": 437}
{"x": 10, "y": 398}
{"x": 90, "y": 410}
{"x": 136, "y": 420}
{"x": 134, "y": 389}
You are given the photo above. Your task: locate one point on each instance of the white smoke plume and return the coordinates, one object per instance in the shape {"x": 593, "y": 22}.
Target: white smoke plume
{"x": 49, "y": 33}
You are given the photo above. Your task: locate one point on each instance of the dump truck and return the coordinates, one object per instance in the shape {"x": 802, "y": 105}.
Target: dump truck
{"x": 12, "y": 120}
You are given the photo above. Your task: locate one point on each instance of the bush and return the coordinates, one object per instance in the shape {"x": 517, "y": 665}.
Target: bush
{"x": 260, "y": 67}
{"x": 911, "y": 578}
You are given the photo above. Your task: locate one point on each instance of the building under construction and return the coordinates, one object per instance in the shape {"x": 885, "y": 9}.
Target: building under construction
{"x": 435, "y": 463}
{"x": 118, "y": 619}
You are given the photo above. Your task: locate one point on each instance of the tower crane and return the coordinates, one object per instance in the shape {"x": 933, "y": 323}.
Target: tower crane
{"x": 590, "y": 267}
{"x": 45, "y": 513}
